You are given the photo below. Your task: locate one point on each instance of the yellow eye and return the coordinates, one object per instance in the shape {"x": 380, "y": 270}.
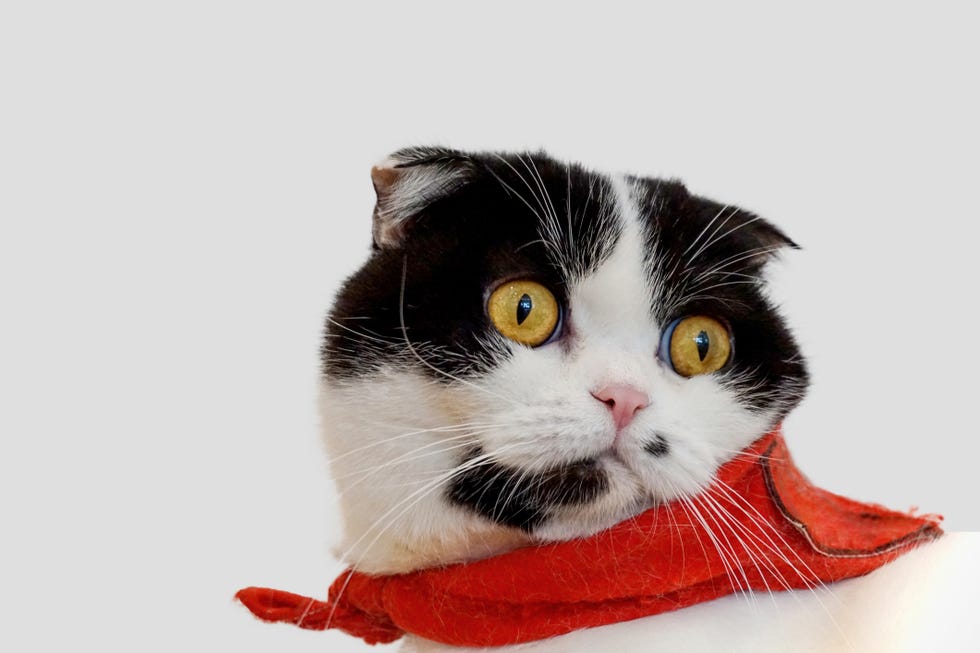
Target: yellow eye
{"x": 697, "y": 345}
{"x": 524, "y": 311}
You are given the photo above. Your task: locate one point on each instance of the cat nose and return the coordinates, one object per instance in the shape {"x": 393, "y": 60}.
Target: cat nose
{"x": 623, "y": 400}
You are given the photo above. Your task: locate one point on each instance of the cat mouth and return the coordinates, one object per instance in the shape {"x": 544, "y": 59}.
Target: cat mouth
{"x": 612, "y": 453}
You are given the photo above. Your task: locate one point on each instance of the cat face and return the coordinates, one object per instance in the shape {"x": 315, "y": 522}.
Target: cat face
{"x": 536, "y": 351}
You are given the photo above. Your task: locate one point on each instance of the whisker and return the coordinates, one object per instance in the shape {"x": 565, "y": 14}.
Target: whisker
{"x": 751, "y": 551}
{"x": 365, "y": 333}
{"x": 704, "y": 246}
{"x": 415, "y": 454}
{"x": 746, "y": 588}
{"x": 703, "y": 231}
{"x": 437, "y": 429}
{"x": 724, "y": 235}
{"x": 412, "y": 499}
{"x": 411, "y": 348}
{"x": 765, "y": 528}
{"x": 692, "y": 511}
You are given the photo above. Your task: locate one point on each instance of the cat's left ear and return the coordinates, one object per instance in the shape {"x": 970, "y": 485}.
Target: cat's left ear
{"x": 408, "y": 181}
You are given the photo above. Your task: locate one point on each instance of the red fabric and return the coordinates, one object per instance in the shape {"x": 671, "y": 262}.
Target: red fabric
{"x": 779, "y": 531}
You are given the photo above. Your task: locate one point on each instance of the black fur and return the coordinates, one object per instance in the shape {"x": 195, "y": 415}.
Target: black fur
{"x": 484, "y": 232}
{"x": 658, "y": 447}
{"x": 514, "y": 498}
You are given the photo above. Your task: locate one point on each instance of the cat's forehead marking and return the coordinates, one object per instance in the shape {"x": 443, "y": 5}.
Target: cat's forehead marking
{"x": 574, "y": 210}
{"x": 615, "y": 299}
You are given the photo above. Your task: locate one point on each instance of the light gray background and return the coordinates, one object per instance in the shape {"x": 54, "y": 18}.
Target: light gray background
{"x": 184, "y": 184}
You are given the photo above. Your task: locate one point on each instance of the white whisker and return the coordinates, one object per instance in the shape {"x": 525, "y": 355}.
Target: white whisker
{"x": 408, "y": 343}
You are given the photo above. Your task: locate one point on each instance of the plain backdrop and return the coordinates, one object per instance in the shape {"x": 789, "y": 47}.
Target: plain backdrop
{"x": 183, "y": 185}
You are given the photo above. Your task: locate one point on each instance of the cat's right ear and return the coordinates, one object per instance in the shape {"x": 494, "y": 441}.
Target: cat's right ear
{"x": 408, "y": 181}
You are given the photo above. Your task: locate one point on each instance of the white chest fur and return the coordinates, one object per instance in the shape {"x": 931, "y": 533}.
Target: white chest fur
{"x": 925, "y": 601}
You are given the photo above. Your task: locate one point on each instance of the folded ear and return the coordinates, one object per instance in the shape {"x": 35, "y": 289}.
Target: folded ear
{"x": 768, "y": 239}
{"x": 750, "y": 240}
{"x": 408, "y": 181}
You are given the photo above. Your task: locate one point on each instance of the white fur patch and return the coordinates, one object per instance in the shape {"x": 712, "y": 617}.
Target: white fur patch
{"x": 393, "y": 440}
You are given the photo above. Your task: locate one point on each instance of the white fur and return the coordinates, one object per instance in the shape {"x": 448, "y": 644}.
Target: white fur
{"x": 923, "y": 602}
{"x": 388, "y": 452}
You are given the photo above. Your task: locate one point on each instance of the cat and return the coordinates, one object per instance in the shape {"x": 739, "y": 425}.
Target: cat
{"x": 535, "y": 351}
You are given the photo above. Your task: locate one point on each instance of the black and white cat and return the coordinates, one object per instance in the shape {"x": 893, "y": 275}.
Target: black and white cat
{"x": 535, "y": 351}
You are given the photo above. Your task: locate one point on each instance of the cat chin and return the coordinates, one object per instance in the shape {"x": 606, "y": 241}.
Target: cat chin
{"x": 625, "y": 498}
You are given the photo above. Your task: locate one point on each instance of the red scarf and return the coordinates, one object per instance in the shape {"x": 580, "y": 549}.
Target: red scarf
{"x": 779, "y": 531}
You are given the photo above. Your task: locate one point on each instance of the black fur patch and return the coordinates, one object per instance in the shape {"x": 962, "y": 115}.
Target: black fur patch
{"x": 517, "y": 216}
{"x": 657, "y": 447}
{"x": 515, "y": 497}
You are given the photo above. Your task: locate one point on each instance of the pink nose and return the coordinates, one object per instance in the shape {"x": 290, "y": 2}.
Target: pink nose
{"x": 623, "y": 400}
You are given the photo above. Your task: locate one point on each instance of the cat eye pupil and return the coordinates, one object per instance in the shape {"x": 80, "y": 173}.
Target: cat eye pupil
{"x": 696, "y": 345}
{"x": 524, "y": 311}
{"x": 524, "y": 305}
{"x": 703, "y": 342}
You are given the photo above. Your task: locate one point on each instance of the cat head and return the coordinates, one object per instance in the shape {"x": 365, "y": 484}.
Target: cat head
{"x": 536, "y": 351}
